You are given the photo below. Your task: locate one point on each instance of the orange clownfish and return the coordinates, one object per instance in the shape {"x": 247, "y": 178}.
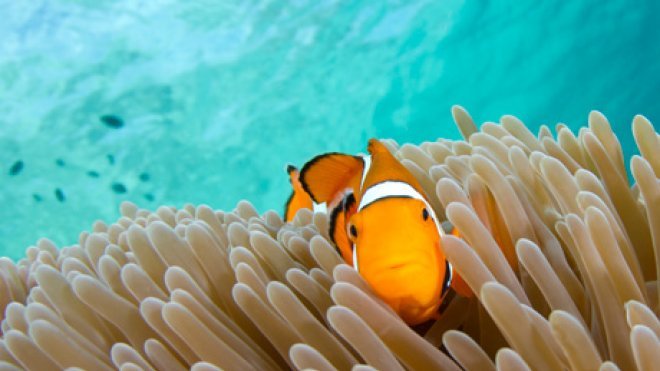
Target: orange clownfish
{"x": 299, "y": 199}
{"x": 382, "y": 224}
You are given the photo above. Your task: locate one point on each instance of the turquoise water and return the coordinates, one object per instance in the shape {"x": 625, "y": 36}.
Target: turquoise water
{"x": 216, "y": 99}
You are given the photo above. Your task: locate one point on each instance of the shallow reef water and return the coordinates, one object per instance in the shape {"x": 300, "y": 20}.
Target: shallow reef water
{"x": 559, "y": 250}
{"x": 166, "y": 102}
{"x": 141, "y": 143}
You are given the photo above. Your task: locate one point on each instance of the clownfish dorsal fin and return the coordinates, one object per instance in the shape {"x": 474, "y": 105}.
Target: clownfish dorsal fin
{"x": 299, "y": 199}
{"x": 385, "y": 167}
{"x": 327, "y": 176}
{"x": 376, "y": 146}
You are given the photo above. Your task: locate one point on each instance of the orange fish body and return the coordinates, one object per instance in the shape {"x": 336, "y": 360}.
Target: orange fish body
{"x": 384, "y": 226}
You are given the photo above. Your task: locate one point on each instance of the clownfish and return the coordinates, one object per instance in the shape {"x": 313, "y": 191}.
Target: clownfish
{"x": 299, "y": 199}
{"x": 383, "y": 225}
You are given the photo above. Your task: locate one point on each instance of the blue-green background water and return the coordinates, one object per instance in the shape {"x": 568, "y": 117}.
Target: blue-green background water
{"x": 217, "y": 96}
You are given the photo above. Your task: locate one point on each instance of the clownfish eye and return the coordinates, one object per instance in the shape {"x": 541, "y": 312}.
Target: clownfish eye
{"x": 425, "y": 214}
{"x": 353, "y": 231}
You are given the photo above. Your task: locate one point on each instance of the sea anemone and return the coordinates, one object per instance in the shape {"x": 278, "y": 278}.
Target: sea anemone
{"x": 561, "y": 252}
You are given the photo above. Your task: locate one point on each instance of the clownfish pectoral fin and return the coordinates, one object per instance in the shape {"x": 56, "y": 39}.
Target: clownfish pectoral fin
{"x": 340, "y": 215}
{"x": 460, "y": 286}
{"x": 299, "y": 198}
{"x": 326, "y": 176}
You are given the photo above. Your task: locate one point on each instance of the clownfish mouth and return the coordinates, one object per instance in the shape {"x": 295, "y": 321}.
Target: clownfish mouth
{"x": 402, "y": 270}
{"x": 399, "y": 266}
{"x": 414, "y": 265}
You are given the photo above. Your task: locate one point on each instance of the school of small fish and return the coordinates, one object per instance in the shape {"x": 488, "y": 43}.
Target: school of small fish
{"x": 110, "y": 121}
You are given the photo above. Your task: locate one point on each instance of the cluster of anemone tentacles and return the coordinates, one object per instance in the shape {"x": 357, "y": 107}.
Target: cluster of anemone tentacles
{"x": 561, "y": 252}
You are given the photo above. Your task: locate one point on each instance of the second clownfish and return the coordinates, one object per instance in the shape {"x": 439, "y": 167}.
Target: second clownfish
{"x": 383, "y": 225}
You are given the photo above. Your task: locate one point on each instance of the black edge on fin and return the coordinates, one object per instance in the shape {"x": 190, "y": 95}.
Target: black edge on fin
{"x": 306, "y": 168}
{"x": 311, "y": 163}
{"x": 290, "y": 168}
{"x": 346, "y": 203}
{"x": 446, "y": 282}
{"x": 331, "y": 227}
{"x": 448, "y": 293}
{"x": 446, "y": 300}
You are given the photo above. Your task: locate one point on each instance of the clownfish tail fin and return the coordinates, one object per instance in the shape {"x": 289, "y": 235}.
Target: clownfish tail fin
{"x": 289, "y": 213}
{"x": 299, "y": 199}
{"x": 327, "y": 176}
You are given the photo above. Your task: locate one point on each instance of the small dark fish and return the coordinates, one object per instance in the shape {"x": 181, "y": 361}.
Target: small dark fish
{"x": 59, "y": 194}
{"x": 16, "y": 168}
{"x": 112, "y": 121}
{"x": 59, "y": 162}
{"x": 37, "y": 197}
{"x": 118, "y": 188}
{"x": 111, "y": 159}
{"x": 149, "y": 197}
{"x": 93, "y": 174}
{"x": 145, "y": 177}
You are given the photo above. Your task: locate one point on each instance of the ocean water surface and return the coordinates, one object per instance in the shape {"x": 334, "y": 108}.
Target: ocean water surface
{"x": 164, "y": 102}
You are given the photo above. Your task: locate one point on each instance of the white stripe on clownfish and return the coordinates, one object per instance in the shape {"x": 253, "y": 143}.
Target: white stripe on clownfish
{"x": 366, "y": 162}
{"x": 389, "y": 189}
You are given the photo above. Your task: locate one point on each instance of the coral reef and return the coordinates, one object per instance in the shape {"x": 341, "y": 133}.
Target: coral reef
{"x": 561, "y": 252}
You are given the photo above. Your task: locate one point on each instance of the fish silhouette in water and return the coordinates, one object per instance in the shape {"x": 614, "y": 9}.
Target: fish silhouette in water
{"x": 37, "y": 197}
{"x": 16, "y": 168}
{"x": 112, "y": 121}
{"x": 93, "y": 174}
{"x": 59, "y": 195}
{"x": 59, "y": 162}
{"x": 118, "y": 188}
{"x": 144, "y": 177}
{"x": 383, "y": 225}
{"x": 111, "y": 158}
